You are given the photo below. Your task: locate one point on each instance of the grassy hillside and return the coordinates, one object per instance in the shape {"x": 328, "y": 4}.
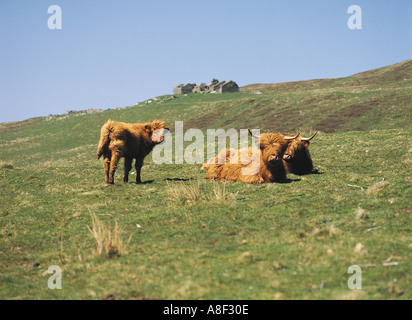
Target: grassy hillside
{"x": 222, "y": 241}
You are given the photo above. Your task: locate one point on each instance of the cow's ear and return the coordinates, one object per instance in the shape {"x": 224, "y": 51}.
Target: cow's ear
{"x": 148, "y": 128}
{"x": 306, "y": 143}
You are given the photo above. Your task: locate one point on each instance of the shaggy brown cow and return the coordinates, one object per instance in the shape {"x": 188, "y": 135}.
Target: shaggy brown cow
{"x": 267, "y": 162}
{"x": 297, "y": 159}
{"x": 128, "y": 140}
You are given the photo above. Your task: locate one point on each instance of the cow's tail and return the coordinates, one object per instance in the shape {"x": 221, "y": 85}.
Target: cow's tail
{"x": 104, "y": 138}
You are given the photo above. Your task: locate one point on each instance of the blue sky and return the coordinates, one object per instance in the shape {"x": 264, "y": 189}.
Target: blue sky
{"x": 112, "y": 54}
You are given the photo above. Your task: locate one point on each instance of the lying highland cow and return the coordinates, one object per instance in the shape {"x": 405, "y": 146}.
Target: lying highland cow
{"x": 297, "y": 159}
{"x": 262, "y": 166}
{"x": 128, "y": 140}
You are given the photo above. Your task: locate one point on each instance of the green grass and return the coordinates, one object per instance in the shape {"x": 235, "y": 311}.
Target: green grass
{"x": 220, "y": 241}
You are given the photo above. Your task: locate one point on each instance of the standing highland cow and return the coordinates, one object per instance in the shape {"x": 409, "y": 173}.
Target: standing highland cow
{"x": 297, "y": 159}
{"x": 267, "y": 163}
{"x": 128, "y": 140}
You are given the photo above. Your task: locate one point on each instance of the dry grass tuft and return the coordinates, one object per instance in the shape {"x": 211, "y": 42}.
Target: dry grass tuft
{"x": 108, "y": 242}
{"x": 184, "y": 193}
{"x": 374, "y": 189}
{"x": 219, "y": 193}
{"x": 361, "y": 214}
{"x": 190, "y": 192}
{"x": 6, "y": 165}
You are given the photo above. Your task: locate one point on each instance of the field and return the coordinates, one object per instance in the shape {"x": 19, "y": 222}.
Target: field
{"x": 182, "y": 237}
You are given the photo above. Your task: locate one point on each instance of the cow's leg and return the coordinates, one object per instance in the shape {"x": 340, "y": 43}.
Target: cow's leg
{"x": 106, "y": 166}
{"x": 127, "y": 168}
{"x": 138, "y": 165}
{"x": 113, "y": 165}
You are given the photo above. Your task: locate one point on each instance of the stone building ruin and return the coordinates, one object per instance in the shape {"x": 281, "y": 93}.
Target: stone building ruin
{"x": 214, "y": 87}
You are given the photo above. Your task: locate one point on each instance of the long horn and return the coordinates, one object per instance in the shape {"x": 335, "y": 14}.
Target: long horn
{"x": 291, "y": 137}
{"x": 256, "y": 137}
{"x": 308, "y": 139}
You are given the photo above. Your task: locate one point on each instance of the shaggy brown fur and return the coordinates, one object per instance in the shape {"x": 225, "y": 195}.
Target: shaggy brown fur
{"x": 207, "y": 164}
{"x": 297, "y": 159}
{"x": 128, "y": 140}
{"x": 270, "y": 167}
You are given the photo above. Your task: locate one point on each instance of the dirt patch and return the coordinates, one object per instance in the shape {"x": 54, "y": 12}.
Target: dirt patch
{"x": 345, "y": 115}
{"x": 320, "y": 99}
{"x": 287, "y": 86}
{"x": 268, "y": 118}
{"x": 282, "y": 122}
{"x": 245, "y": 114}
{"x": 5, "y": 126}
{"x": 245, "y": 118}
{"x": 204, "y": 121}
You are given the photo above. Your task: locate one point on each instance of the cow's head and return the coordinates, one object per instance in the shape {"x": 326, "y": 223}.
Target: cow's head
{"x": 297, "y": 146}
{"x": 156, "y": 131}
{"x": 272, "y": 146}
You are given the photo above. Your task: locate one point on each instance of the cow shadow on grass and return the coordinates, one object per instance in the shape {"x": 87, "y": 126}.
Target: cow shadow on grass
{"x": 146, "y": 182}
{"x": 316, "y": 171}
{"x": 289, "y": 181}
{"x": 176, "y": 179}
